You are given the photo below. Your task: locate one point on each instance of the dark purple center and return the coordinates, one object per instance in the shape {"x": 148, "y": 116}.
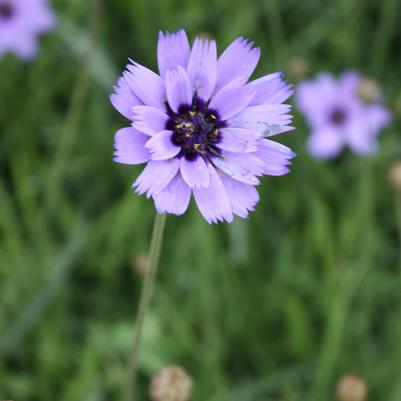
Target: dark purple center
{"x": 196, "y": 129}
{"x": 6, "y": 10}
{"x": 338, "y": 116}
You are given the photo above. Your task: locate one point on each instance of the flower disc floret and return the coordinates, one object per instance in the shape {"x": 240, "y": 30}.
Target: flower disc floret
{"x": 6, "y": 10}
{"x": 195, "y": 129}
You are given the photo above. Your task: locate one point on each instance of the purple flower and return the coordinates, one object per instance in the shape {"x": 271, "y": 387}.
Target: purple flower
{"x": 338, "y": 116}
{"x": 201, "y": 128}
{"x": 21, "y": 21}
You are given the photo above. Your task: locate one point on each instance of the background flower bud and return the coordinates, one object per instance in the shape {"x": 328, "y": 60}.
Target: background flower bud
{"x": 369, "y": 90}
{"x": 352, "y": 388}
{"x": 298, "y": 68}
{"x": 140, "y": 263}
{"x": 395, "y": 175}
{"x": 171, "y": 383}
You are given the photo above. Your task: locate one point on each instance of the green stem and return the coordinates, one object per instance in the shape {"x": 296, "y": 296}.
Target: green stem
{"x": 146, "y": 296}
{"x": 397, "y": 203}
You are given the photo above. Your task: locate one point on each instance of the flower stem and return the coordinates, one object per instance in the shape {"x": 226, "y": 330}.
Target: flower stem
{"x": 146, "y": 296}
{"x": 397, "y": 202}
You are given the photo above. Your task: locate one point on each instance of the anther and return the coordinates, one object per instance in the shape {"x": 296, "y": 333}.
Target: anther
{"x": 196, "y": 129}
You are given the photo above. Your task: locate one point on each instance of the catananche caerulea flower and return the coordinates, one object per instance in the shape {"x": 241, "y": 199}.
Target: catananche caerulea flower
{"x": 201, "y": 128}
{"x": 21, "y": 21}
{"x": 338, "y": 116}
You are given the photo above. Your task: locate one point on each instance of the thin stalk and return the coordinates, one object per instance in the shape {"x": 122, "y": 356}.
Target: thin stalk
{"x": 397, "y": 203}
{"x": 146, "y": 297}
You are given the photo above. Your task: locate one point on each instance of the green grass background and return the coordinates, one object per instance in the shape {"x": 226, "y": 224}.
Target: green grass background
{"x": 276, "y": 308}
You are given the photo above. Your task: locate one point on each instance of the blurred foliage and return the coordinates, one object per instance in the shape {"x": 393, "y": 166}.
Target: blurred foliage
{"x": 276, "y": 308}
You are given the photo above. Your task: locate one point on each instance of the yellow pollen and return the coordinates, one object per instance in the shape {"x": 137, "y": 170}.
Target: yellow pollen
{"x": 179, "y": 126}
{"x": 187, "y": 135}
{"x": 192, "y": 113}
{"x": 213, "y": 117}
{"x": 196, "y": 146}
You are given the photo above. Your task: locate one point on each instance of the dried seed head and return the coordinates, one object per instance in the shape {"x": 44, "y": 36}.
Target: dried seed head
{"x": 205, "y": 35}
{"x": 352, "y": 388}
{"x": 369, "y": 90}
{"x": 394, "y": 175}
{"x": 297, "y": 67}
{"x": 140, "y": 263}
{"x": 171, "y": 383}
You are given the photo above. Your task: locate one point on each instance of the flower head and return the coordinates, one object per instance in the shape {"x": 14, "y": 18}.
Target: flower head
{"x": 338, "y": 116}
{"x": 201, "y": 128}
{"x": 21, "y": 21}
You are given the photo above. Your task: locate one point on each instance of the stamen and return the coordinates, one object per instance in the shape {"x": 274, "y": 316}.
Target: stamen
{"x": 214, "y": 152}
{"x": 215, "y": 133}
{"x": 195, "y": 130}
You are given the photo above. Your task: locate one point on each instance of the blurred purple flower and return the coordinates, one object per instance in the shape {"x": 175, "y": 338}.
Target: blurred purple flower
{"x": 338, "y": 116}
{"x": 21, "y": 21}
{"x": 201, "y": 128}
